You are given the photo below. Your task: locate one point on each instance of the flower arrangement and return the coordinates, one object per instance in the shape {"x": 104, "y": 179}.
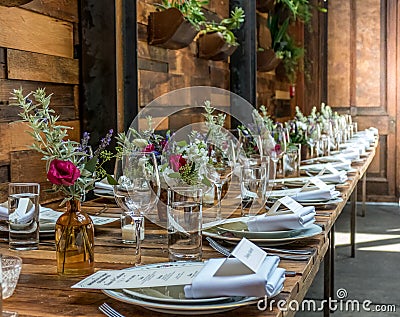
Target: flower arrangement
{"x": 185, "y": 163}
{"x": 297, "y": 128}
{"x": 144, "y": 140}
{"x": 72, "y": 167}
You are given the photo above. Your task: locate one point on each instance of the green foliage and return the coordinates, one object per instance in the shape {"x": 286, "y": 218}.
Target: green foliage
{"x": 191, "y": 9}
{"x": 51, "y": 140}
{"x": 226, "y": 26}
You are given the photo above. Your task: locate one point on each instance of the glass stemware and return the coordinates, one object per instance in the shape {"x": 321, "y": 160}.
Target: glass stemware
{"x": 313, "y": 134}
{"x": 219, "y": 171}
{"x": 137, "y": 190}
{"x": 277, "y": 148}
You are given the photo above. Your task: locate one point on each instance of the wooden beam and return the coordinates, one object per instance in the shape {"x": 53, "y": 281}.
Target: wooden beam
{"x": 243, "y": 62}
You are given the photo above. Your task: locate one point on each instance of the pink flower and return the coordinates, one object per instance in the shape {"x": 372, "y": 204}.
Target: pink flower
{"x": 277, "y": 148}
{"x": 176, "y": 161}
{"x": 63, "y": 173}
{"x": 149, "y": 148}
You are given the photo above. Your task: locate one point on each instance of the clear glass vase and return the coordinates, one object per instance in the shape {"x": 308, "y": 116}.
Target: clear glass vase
{"x": 74, "y": 241}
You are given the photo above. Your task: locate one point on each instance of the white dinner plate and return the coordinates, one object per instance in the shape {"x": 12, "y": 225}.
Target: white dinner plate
{"x": 239, "y": 229}
{"x": 217, "y": 233}
{"x": 173, "y": 294}
{"x": 191, "y": 309}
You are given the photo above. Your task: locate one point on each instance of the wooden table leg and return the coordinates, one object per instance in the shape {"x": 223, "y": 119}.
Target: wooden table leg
{"x": 364, "y": 194}
{"x": 353, "y": 222}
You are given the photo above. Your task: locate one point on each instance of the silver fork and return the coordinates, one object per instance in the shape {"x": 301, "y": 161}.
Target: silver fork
{"x": 216, "y": 246}
{"x": 109, "y": 311}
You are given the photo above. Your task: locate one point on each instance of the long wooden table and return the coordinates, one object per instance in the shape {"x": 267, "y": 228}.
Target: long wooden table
{"x": 41, "y": 292}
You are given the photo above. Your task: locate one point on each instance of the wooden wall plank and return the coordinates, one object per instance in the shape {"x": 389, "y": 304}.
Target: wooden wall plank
{"x": 41, "y": 67}
{"x": 26, "y": 30}
{"x": 64, "y": 100}
{"x": 13, "y": 137}
{"x": 28, "y": 166}
{"x": 64, "y": 10}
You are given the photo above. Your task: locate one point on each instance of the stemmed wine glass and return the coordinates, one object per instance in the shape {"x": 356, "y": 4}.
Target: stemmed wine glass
{"x": 137, "y": 190}
{"x": 277, "y": 147}
{"x": 219, "y": 169}
{"x": 313, "y": 133}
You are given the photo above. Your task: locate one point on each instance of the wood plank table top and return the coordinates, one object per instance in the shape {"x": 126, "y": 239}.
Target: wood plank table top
{"x": 42, "y": 292}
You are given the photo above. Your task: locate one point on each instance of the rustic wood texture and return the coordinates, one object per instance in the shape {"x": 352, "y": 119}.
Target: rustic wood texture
{"x": 40, "y": 67}
{"x": 39, "y": 282}
{"x": 363, "y": 79}
{"x": 66, "y": 10}
{"x": 29, "y": 31}
{"x": 339, "y": 53}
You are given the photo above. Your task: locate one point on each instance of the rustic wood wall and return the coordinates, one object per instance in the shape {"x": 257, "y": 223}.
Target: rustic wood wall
{"x": 162, "y": 70}
{"x": 37, "y": 44}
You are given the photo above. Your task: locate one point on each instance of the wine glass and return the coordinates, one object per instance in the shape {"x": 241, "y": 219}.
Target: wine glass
{"x": 276, "y": 148}
{"x": 137, "y": 190}
{"x": 219, "y": 169}
{"x": 313, "y": 134}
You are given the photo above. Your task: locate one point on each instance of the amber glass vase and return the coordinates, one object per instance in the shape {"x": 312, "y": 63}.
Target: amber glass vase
{"x": 75, "y": 241}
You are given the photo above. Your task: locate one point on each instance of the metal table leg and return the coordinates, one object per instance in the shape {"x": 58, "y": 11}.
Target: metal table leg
{"x": 332, "y": 251}
{"x": 364, "y": 194}
{"x": 327, "y": 278}
{"x": 353, "y": 222}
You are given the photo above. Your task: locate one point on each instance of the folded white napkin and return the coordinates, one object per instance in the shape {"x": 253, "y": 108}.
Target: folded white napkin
{"x": 267, "y": 281}
{"x": 341, "y": 166}
{"x": 103, "y": 185}
{"x": 21, "y": 216}
{"x": 317, "y": 194}
{"x": 282, "y": 220}
{"x": 336, "y": 178}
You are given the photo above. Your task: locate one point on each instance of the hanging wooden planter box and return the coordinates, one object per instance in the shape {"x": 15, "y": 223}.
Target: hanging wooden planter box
{"x": 214, "y": 47}
{"x": 267, "y": 60}
{"x": 265, "y": 5}
{"x": 13, "y": 3}
{"x": 169, "y": 29}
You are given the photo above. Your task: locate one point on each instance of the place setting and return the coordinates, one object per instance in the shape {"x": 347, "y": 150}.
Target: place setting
{"x": 192, "y": 287}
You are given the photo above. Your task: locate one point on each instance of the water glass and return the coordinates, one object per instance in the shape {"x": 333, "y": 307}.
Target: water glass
{"x": 253, "y": 189}
{"x": 23, "y": 216}
{"x": 184, "y": 224}
{"x": 291, "y": 161}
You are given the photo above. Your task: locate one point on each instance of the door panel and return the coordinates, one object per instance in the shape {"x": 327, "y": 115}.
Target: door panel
{"x": 362, "y": 79}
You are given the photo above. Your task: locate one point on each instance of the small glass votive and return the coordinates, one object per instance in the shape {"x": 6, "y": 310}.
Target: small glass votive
{"x": 185, "y": 220}
{"x": 291, "y": 161}
{"x": 253, "y": 189}
{"x": 128, "y": 227}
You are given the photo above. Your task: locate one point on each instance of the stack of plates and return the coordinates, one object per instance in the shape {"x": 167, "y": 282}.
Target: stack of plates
{"x": 233, "y": 231}
{"x": 171, "y": 299}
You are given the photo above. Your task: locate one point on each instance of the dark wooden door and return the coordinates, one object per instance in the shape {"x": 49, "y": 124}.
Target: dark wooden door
{"x": 362, "y": 79}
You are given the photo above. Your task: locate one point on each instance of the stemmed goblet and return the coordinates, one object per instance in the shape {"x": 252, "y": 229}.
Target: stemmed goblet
{"x": 137, "y": 190}
{"x": 277, "y": 148}
{"x": 219, "y": 171}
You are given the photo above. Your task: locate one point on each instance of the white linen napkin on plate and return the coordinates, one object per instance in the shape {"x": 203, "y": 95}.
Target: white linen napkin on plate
{"x": 24, "y": 216}
{"x": 336, "y": 178}
{"x": 308, "y": 194}
{"x": 282, "y": 220}
{"x": 267, "y": 281}
{"x": 342, "y": 166}
{"x": 317, "y": 194}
